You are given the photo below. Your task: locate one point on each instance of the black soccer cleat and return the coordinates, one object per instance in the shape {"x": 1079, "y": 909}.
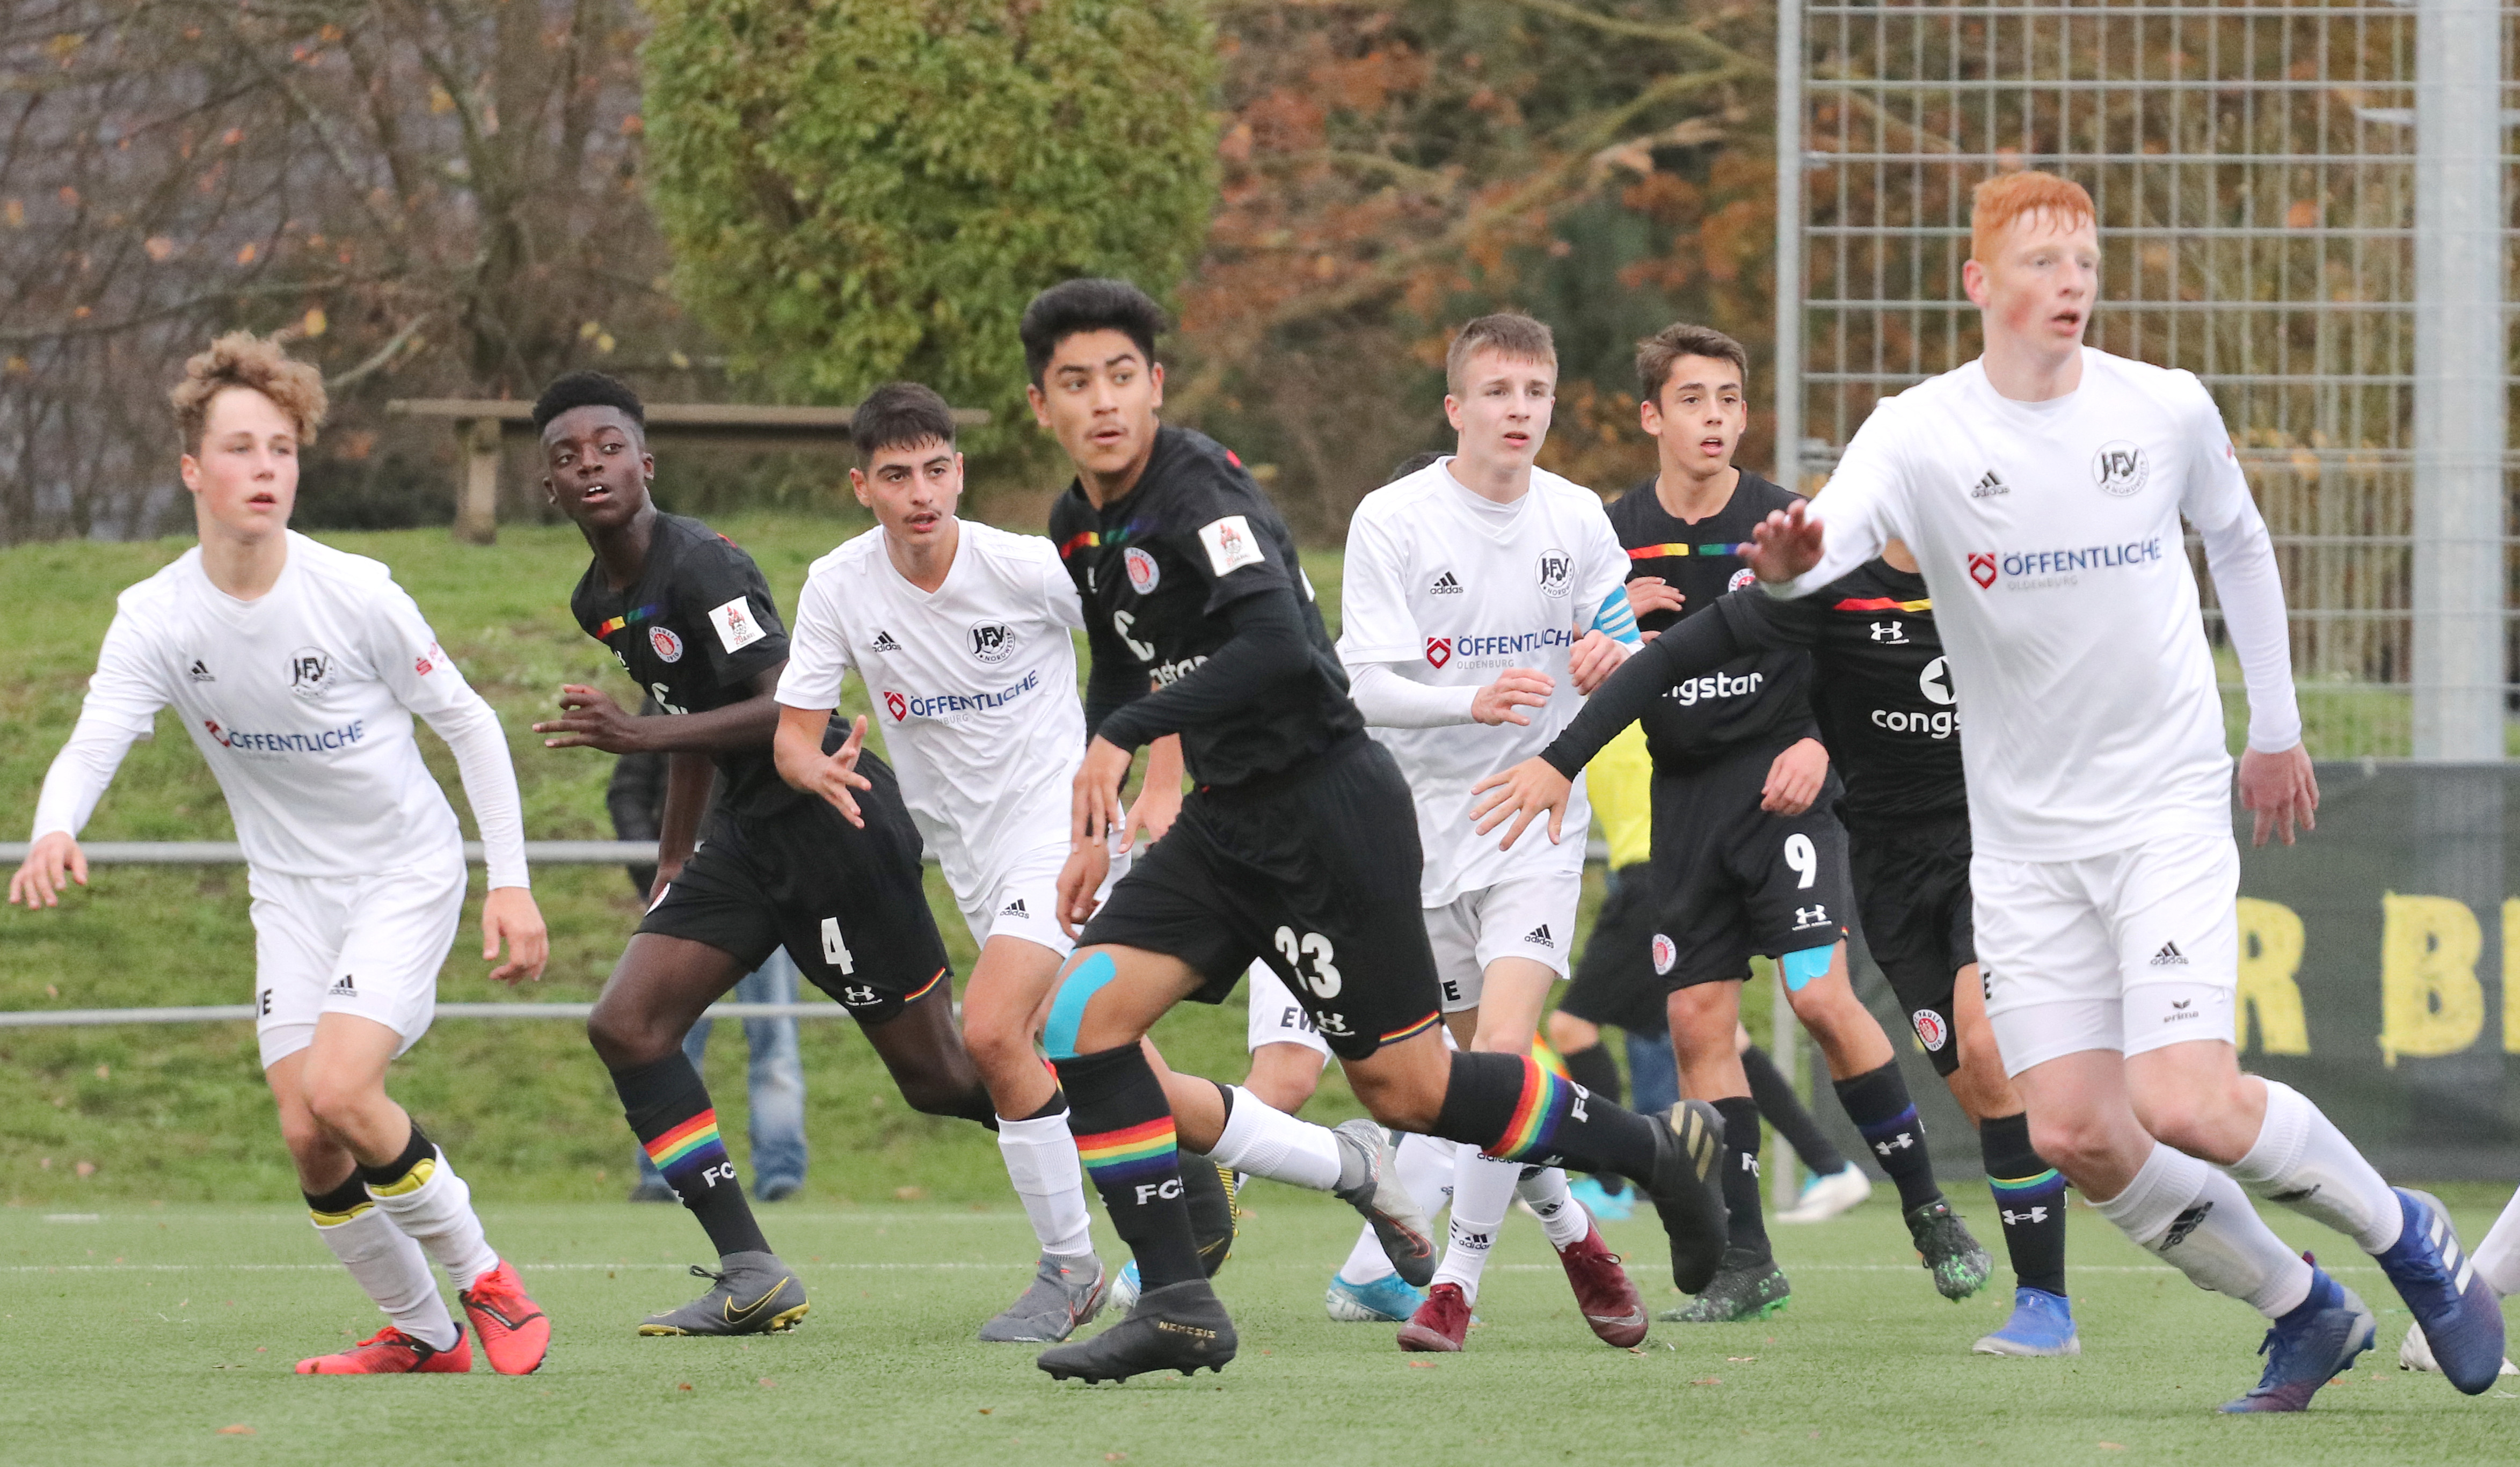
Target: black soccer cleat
{"x": 1208, "y": 1194}
{"x": 1957, "y": 1260}
{"x": 1180, "y": 1327}
{"x": 1686, "y": 1193}
{"x": 1747, "y": 1287}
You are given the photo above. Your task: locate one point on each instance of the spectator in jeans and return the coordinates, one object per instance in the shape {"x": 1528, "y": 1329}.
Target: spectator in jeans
{"x": 776, "y": 1079}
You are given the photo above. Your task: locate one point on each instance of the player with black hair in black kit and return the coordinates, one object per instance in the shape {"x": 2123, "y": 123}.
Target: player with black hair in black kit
{"x": 691, "y": 620}
{"x": 1298, "y": 846}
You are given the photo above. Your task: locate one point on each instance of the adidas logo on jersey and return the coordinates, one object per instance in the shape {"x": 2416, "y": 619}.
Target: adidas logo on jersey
{"x": 201, "y": 672}
{"x": 883, "y": 641}
{"x": 344, "y": 986}
{"x": 1445, "y": 585}
{"x": 1014, "y": 909}
{"x": 1539, "y": 937}
{"x": 1988, "y": 487}
{"x": 2170, "y": 956}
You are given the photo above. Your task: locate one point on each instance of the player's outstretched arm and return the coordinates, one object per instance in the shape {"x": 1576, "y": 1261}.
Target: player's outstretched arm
{"x": 798, "y": 751}
{"x": 1783, "y": 546}
{"x": 589, "y": 719}
{"x": 52, "y": 864}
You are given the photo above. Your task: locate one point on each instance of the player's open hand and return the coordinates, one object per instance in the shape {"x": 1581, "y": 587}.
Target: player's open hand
{"x": 1080, "y": 883}
{"x": 590, "y": 720}
{"x": 834, "y": 775}
{"x": 1521, "y": 792}
{"x": 1514, "y": 689}
{"x": 52, "y": 864}
{"x": 1783, "y": 546}
{"x": 1094, "y": 800}
{"x": 509, "y": 915}
{"x": 1650, "y": 594}
{"x": 1160, "y": 794}
{"x": 2277, "y": 789}
{"x": 1594, "y": 658}
{"x": 1795, "y": 778}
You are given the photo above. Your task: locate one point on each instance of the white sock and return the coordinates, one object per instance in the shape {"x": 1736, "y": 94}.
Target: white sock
{"x": 1560, "y": 1217}
{"x": 2497, "y": 1257}
{"x": 2301, "y": 1161}
{"x": 1425, "y": 1165}
{"x": 388, "y": 1263}
{"x": 2198, "y": 1220}
{"x": 1041, "y": 1161}
{"x": 435, "y": 1206}
{"x": 1482, "y": 1190}
{"x": 1266, "y": 1141}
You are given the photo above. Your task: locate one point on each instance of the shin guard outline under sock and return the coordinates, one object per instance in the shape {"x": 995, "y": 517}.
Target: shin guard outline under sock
{"x": 668, "y": 1109}
{"x": 1877, "y": 1102}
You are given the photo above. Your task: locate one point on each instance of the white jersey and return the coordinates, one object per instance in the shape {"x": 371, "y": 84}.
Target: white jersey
{"x": 302, "y": 702}
{"x": 974, "y": 687}
{"x": 1449, "y": 589}
{"x": 2049, "y": 533}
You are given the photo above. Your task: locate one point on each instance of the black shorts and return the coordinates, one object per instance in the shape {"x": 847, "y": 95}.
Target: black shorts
{"x": 1912, "y": 888}
{"x": 1315, "y": 872}
{"x": 1615, "y": 983}
{"x": 849, "y": 905}
{"x": 1734, "y": 880}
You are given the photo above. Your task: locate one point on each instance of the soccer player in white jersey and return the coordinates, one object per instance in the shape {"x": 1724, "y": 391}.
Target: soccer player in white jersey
{"x": 296, "y": 669}
{"x": 2040, "y": 489}
{"x": 1481, "y": 598}
{"x": 961, "y": 631}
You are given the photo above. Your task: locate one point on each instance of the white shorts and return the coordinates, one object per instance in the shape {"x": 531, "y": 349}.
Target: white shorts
{"x": 2131, "y": 950}
{"x": 1024, "y": 902}
{"x": 369, "y": 946}
{"x": 1527, "y": 916}
{"x": 1276, "y": 1017}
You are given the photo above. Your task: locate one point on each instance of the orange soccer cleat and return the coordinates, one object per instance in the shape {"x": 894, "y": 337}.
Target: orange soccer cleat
{"x": 514, "y": 1333}
{"x": 391, "y": 1352}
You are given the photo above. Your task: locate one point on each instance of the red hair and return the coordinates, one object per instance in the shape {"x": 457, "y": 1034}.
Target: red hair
{"x": 2007, "y": 197}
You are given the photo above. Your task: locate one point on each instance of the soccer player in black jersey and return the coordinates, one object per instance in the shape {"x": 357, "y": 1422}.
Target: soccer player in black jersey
{"x": 1889, "y": 713}
{"x": 1749, "y": 857}
{"x": 1298, "y": 846}
{"x": 691, "y": 620}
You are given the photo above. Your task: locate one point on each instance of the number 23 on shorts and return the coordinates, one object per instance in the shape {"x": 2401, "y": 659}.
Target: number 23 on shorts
{"x": 1324, "y": 979}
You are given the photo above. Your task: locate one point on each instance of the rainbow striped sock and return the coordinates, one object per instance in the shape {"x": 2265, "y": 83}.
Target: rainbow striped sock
{"x": 1532, "y": 1132}
{"x": 690, "y": 1151}
{"x": 1123, "y": 1159}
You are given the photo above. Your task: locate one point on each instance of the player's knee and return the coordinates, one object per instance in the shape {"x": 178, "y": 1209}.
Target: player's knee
{"x": 2203, "y": 1121}
{"x": 1284, "y": 1076}
{"x": 1087, "y": 975}
{"x": 337, "y": 1107}
{"x": 2074, "y": 1144}
{"x": 1000, "y": 1043}
{"x": 623, "y": 1039}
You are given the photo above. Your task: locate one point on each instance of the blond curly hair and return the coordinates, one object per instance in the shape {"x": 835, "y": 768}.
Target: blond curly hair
{"x": 241, "y": 359}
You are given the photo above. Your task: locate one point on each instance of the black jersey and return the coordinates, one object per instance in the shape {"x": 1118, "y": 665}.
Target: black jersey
{"x": 693, "y": 633}
{"x": 1882, "y": 691}
{"x": 1757, "y": 696}
{"x": 1158, "y": 571}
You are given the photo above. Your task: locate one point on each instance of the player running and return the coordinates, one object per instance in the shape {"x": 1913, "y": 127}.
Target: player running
{"x": 1298, "y": 846}
{"x": 1748, "y": 856}
{"x": 2040, "y": 489}
{"x": 1884, "y": 699}
{"x": 296, "y": 669}
{"x": 691, "y": 620}
{"x": 1480, "y": 599}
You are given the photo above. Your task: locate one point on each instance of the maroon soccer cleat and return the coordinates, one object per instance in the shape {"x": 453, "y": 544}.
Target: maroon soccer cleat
{"x": 1604, "y": 1291}
{"x": 1441, "y": 1323}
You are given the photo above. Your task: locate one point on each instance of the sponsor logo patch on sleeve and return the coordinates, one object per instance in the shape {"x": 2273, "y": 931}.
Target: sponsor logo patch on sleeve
{"x": 736, "y": 627}
{"x": 1230, "y": 544}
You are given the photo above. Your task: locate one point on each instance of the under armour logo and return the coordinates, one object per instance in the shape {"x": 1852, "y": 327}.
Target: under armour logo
{"x": 1811, "y": 916}
{"x": 1888, "y": 630}
{"x": 1900, "y": 1142}
{"x": 857, "y": 993}
{"x": 1332, "y": 1023}
{"x": 2033, "y": 1215}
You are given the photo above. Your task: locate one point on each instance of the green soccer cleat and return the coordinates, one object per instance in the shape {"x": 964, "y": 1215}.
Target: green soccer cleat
{"x": 1743, "y": 1289}
{"x": 1180, "y": 1327}
{"x": 1959, "y": 1263}
{"x": 754, "y": 1295}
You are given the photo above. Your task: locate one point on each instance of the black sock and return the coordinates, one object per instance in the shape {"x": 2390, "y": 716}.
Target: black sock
{"x": 1124, "y": 1132}
{"x": 343, "y": 1202}
{"x": 1786, "y": 1111}
{"x": 2030, "y": 1198}
{"x": 1595, "y": 1070}
{"x": 1513, "y": 1109}
{"x": 1056, "y": 1105}
{"x": 670, "y": 1110}
{"x": 419, "y": 1148}
{"x": 1741, "y": 1178}
{"x": 1878, "y": 1103}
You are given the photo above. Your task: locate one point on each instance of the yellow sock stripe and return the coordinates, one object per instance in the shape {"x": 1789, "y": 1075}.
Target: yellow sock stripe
{"x": 335, "y": 1220}
{"x": 410, "y": 1181}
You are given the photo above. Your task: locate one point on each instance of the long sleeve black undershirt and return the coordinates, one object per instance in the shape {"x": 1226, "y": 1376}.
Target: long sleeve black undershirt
{"x": 1697, "y": 645}
{"x": 1268, "y": 648}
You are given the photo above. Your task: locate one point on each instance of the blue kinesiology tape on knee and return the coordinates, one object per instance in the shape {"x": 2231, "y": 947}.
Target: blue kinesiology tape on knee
{"x": 1802, "y": 966}
{"x": 1067, "y": 1010}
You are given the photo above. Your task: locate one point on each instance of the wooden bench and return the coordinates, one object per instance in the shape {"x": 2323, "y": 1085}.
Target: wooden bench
{"x": 483, "y": 425}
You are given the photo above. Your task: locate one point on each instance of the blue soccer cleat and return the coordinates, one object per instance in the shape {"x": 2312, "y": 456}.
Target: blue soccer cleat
{"x": 2308, "y": 1348}
{"x": 2042, "y": 1326}
{"x": 1605, "y": 1207}
{"x": 2461, "y": 1319}
{"x": 1125, "y": 1289}
{"x": 1388, "y": 1299}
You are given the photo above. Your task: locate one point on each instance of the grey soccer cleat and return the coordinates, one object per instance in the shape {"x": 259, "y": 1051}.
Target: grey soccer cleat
{"x": 1407, "y": 1239}
{"x": 1066, "y": 1295}
{"x": 1957, "y": 1260}
{"x": 754, "y": 1295}
{"x": 1180, "y": 1326}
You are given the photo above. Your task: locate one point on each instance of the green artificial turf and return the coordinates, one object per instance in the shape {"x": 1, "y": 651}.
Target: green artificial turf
{"x": 140, "y": 1335}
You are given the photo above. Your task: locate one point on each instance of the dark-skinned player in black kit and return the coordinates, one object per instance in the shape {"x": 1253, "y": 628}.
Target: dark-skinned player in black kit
{"x": 1297, "y": 846}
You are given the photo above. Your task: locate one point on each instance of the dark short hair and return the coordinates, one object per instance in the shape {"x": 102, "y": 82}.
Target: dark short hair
{"x": 1411, "y": 465}
{"x": 1088, "y": 306}
{"x": 588, "y": 389}
{"x": 1508, "y": 334}
{"x": 900, "y": 414}
{"x": 1656, "y": 353}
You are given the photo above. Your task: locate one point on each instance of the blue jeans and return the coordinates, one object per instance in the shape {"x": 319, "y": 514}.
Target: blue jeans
{"x": 775, "y": 1080}
{"x": 1653, "y": 1073}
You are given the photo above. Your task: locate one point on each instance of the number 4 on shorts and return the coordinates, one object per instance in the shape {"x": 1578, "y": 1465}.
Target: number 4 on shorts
{"x": 836, "y": 949}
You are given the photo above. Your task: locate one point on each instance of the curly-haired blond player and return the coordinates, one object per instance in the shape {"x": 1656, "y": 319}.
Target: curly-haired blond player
{"x": 296, "y": 669}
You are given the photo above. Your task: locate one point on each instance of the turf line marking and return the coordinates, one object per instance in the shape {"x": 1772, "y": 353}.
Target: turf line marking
{"x": 1248, "y": 1267}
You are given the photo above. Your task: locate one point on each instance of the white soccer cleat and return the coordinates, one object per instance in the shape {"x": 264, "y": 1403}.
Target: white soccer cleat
{"x": 2416, "y": 1353}
{"x": 1824, "y": 1197}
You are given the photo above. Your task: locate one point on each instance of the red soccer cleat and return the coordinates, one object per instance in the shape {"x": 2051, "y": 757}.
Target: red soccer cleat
{"x": 1604, "y": 1291}
{"x": 514, "y": 1333}
{"x": 391, "y": 1352}
{"x": 1441, "y": 1323}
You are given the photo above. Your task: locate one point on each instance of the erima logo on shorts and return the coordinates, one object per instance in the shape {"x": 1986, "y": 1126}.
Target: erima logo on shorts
{"x": 1665, "y": 954}
{"x": 1692, "y": 691}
